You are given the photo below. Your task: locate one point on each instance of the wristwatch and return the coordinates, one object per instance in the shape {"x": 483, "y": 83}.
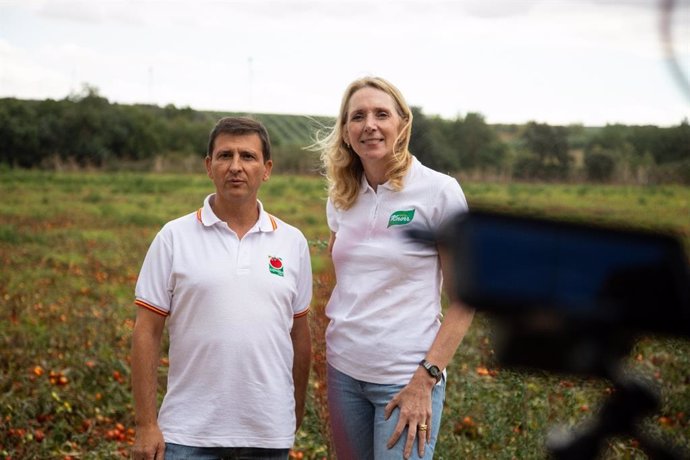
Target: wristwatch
{"x": 432, "y": 369}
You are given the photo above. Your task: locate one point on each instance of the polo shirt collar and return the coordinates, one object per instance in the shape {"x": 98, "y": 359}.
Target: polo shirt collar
{"x": 364, "y": 185}
{"x": 266, "y": 222}
{"x": 208, "y": 218}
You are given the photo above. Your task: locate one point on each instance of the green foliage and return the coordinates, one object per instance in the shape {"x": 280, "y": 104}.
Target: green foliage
{"x": 85, "y": 130}
{"x": 599, "y": 164}
{"x": 526, "y": 165}
{"x": 672, "y": 172}
{"x": 547, "y": 154}
{"x": 428, "y": 145}
{"x": 19, "y": 142}
{"x": 647, "y": 153}
{"x": 477, "y": 144}
{"x": 464, "y": 144}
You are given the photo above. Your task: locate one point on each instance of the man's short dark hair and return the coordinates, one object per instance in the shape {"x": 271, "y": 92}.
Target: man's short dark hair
{"x": 239, "y": 126}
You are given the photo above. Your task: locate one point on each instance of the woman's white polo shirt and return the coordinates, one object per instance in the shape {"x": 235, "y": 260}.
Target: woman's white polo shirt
{"x": 385, "y": 309}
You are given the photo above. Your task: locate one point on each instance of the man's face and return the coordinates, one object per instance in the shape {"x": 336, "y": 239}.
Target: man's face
{"x": 236, "y": 166}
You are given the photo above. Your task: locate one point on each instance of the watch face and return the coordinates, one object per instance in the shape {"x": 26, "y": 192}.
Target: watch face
{"x": 432, "y": 369}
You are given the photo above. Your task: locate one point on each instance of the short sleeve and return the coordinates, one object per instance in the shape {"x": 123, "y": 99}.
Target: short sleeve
{"x": 450, "y": 201}
{"x": 153, "y": 290}
{"x": 332, "y": 216}
{"x": 304, "y": 283}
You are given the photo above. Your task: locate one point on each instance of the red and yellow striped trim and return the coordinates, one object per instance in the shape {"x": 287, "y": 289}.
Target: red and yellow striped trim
{"x": 301, "y": 314}
{"x": 198, "y": 215}
{"x": 273, "y": 222}
{"x": 148, "y": 306}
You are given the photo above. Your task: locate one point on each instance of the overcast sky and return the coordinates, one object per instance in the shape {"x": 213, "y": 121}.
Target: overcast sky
{"x": 555, "y": 61}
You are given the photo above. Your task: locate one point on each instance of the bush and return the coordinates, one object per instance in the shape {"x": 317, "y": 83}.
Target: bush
{"x": 599, "y": 165}
{"x": 675, "y": 172}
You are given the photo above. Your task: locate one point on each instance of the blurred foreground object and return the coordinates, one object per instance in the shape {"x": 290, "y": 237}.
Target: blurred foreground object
{"x": 665, "y": 32}
{"x": 573, "y": 298}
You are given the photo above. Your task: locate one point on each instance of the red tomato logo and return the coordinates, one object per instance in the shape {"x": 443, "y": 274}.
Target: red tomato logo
{"x": 276, "y": 263}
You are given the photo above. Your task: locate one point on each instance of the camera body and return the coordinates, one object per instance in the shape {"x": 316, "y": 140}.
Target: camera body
{"x": 568, "y": 297}
{"x": 571, "y": 298}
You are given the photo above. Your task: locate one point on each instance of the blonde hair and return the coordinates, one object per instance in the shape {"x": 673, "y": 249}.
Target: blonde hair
{"x": 343, "y": 168}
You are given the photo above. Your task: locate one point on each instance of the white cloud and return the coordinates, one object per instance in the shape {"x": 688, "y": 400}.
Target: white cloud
{"x": 27, "y": 78}
{"x": 578, "y": 60}
{"x": 81, "y": 12}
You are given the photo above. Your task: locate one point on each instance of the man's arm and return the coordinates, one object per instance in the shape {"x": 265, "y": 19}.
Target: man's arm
{"x": 301, "y": 344}
{"x": 146, "y": 344}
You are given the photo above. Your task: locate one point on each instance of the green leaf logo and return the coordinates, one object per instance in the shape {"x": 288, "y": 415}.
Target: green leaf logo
{"x": 401, "y": 218}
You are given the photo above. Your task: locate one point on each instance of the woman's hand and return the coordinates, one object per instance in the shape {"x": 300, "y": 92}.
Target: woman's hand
{"x": 414, "y": 403}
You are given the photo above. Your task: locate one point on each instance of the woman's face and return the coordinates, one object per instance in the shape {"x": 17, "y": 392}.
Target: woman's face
{"x": 372, "y": 124}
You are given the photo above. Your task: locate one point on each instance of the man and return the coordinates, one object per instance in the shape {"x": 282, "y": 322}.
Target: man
{"x": 234, "y": 284}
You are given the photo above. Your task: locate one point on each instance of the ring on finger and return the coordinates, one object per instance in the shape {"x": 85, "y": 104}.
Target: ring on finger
{"x": 422, "y": 427}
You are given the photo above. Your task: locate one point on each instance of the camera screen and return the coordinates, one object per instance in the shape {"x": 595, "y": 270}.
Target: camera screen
{"x": 508, "y": 264}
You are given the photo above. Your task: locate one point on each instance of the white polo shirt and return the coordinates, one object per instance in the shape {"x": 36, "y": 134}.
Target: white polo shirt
{"x": 230, "y": 305}
{"x": 385, "y": 309}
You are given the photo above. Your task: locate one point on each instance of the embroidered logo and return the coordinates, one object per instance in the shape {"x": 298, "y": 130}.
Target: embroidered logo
{"x": 275, "y": 265}
{"x": 401, "y": 218}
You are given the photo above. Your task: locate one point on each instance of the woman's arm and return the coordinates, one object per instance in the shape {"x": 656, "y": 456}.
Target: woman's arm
{"x": 414, "y": 401}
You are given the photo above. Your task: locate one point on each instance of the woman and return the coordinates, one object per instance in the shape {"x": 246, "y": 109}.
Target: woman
{"x": 386, "y": 345}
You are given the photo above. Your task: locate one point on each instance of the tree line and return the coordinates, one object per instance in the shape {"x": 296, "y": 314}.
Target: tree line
{"x": 86, "y": 130}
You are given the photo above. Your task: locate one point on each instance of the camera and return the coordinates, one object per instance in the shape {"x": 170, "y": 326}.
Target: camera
{"x": 571, "y": 298}
{"x": 576, "y": 295}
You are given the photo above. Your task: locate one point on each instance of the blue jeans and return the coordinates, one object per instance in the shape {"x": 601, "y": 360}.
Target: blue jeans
{"x": 360, "y": 431}
{"x": 179, "y": 452}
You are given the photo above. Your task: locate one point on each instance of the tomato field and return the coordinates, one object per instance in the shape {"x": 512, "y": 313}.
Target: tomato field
{"x": 71, "y": 245}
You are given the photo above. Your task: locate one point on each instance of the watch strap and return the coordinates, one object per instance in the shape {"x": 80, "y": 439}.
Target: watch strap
{"x": 432, "y": 370}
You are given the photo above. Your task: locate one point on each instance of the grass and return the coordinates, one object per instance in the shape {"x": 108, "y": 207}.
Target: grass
{"x": 71, "y": 245}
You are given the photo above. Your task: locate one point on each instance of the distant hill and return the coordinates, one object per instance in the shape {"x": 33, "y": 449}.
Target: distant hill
{"x": 87, "y": 130}
{"x": 287, "y": 129}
